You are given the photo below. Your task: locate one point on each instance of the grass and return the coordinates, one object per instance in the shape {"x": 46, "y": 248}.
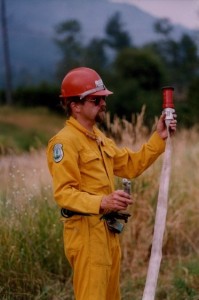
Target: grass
{"x": 33, "y": 265}
{"x": 31, "y": 256}
{"x": 26, "y": 129}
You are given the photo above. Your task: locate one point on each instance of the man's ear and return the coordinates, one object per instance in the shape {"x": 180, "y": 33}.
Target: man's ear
{"x": 75, "y": 107}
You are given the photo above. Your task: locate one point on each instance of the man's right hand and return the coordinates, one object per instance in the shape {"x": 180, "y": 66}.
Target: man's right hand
{"x": 118, "y": 200}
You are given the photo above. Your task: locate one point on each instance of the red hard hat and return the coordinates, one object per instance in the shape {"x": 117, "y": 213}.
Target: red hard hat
{"x": 82, "y": 82}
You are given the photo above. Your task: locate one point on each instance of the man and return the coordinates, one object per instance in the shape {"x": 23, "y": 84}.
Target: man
{"x": 83, "y": 163}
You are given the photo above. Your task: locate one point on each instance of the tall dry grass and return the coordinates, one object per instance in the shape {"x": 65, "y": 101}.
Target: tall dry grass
{"x": 32, "y": 261}
{"x": 31, "y": 254}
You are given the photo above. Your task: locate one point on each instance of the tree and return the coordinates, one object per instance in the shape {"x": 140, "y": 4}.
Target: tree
{"x": 187, "y": 60}
{"x": 70, "y": 46}
{"x": 117, "y": 38}
{"x": 95, "y": 55}
{"x": 142, "y": 66}
{"x": 139, "y": 76}
{"x": 180, "y": 57}
{"x": 190, "y": 109}
{"x": 6, "y": 54}
{"x": 163, "y": 26}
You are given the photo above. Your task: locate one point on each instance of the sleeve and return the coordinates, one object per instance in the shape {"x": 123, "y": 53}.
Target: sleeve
{"x": 131, "y": 164}
{"x": 63, "y": 167}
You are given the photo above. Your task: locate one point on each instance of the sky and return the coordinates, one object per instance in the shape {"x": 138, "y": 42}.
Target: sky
{"x": 183, "y": 12}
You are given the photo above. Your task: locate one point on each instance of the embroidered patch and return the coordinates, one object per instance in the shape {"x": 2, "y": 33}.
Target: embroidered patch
{"x": 58, "y": 152}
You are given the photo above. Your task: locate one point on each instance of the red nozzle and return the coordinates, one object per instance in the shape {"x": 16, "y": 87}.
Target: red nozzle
{"x": 168, "y": 97}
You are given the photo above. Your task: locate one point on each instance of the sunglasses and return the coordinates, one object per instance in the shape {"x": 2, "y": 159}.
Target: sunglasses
{"x": 97, "y": 99}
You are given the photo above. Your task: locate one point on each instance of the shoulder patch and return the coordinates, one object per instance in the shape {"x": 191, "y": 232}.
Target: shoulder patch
{"x": 58, "y": 152}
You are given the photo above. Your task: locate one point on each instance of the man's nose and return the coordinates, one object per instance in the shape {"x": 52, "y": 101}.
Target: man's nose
{"x": 102, "y": 100}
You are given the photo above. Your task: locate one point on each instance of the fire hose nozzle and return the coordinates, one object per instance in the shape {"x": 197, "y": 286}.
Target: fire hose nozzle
{"x": 168, "y": 105}
{"x": 126, "y": 185}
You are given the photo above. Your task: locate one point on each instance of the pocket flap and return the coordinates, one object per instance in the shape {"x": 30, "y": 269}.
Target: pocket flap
{"x": 109, "y": 151}
{"x": 87, "y": 156}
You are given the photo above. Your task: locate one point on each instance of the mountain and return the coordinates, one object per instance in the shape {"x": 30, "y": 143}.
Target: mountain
{"x": 31, "y": 25}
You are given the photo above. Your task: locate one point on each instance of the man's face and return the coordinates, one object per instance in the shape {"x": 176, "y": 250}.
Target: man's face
{"x": 94, "y": 108}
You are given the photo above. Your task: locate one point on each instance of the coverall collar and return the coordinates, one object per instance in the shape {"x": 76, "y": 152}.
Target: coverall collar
{"x": 94, "y": 136}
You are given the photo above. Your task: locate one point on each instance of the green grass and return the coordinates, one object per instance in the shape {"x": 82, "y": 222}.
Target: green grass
{"x": 13, "y": 138}
{"x": 31, "y": 254}
{"x": 26, "y": 129}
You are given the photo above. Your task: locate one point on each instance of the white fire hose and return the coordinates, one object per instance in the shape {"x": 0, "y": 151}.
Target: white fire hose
{"x": 159, "y": 227}
{"x": 161, "y": 212}
{"x": 162, "y": 203}
{"x": 160, "y": 222}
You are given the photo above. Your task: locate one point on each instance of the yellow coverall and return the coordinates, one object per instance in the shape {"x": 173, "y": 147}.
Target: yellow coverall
{"x": 83, "y": 172}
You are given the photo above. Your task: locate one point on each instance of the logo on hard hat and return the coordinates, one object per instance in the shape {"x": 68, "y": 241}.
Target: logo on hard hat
{"x": 99, "y": 83}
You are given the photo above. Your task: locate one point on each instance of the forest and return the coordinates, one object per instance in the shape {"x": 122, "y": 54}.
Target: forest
{"x": 135, "y": 74}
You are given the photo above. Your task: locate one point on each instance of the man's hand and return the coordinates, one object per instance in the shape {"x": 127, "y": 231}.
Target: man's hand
{"x": 162, "y": 129}
{"x": 118, "y": 200}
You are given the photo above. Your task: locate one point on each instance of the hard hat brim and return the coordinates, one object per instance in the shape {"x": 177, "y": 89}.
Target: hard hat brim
{"x": 102, "y": 93}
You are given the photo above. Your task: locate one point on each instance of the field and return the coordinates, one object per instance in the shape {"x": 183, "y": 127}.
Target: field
{"x": 32, "y": 262}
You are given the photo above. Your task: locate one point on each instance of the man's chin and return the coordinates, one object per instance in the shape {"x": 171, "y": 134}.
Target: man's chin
{"x": 100, "y": 118}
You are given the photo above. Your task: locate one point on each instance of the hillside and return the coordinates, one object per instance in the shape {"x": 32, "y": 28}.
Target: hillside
{"x": 32, "y": 24}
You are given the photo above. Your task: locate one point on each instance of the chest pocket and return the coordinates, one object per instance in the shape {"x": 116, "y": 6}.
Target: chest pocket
{"x": 88, "y": 159}
{"x": 96, "y": 172}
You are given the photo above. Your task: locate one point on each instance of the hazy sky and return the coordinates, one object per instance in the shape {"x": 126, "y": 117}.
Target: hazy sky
{"x": 184, "y": 12}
